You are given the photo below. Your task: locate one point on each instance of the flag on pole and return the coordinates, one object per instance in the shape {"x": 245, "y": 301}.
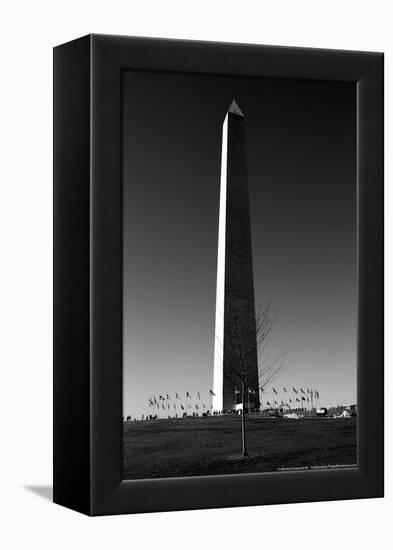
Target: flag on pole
{"x": 275, "y": 391}
{"x": 161, "y": 398}
{"x": 177, "y": 396}
{"x": 182, "y": 407}
{"x": 211, "y": 392}
{"x": 237, "y": 391}
{"x": 285, "y": 389}
{"x": 168, "y": 397}
{"x": 199, "y": 395}
{"x": 188, "y": 395}
{"x": 267, "y": 403}
{"x": 298, "y": 400}
{"x": 302, "y": 390}
{"x": 295, "y": 390}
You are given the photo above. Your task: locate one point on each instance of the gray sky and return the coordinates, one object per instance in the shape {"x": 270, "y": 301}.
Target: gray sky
{"x": 301, "y": 144}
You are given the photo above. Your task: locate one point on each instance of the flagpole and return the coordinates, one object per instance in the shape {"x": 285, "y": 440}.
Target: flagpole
{"x": 211, "y": 401}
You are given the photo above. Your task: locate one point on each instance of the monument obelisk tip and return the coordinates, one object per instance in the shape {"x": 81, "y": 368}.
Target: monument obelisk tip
{"x": 235, "y": 109}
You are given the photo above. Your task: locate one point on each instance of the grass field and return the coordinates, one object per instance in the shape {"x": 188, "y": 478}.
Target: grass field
{"x": 211, "y": 446}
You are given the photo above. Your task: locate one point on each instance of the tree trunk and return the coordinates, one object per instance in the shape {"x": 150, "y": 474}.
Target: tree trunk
{"x": 244, "y": 420}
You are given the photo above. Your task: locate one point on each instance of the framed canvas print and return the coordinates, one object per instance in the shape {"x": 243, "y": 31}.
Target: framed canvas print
{"x": 218, "y": 275}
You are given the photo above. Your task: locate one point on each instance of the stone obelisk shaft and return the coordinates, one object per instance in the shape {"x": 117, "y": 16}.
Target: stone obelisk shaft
{"x": 235, "y": 301}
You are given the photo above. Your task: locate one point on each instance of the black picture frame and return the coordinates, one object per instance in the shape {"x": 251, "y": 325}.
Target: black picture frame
{"x": 88, "y": 275}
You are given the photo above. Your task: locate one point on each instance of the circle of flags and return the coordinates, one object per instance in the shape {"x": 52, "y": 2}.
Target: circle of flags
{"x": 164, "y": 405}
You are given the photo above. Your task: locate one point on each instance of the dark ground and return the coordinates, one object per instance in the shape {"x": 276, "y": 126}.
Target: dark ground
{"x": 212, "y": 445}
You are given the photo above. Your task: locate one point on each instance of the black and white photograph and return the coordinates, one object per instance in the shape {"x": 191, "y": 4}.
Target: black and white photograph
{"x": 195, "y": 234}
{"x": 239, "y": 274}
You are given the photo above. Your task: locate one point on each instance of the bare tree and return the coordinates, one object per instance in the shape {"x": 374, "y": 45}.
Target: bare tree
{"x": 245, "y": 339}
{"x": 268, "y": 368}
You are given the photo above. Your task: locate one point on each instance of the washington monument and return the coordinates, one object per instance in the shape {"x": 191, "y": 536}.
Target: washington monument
{"x": 235, "y": 302}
